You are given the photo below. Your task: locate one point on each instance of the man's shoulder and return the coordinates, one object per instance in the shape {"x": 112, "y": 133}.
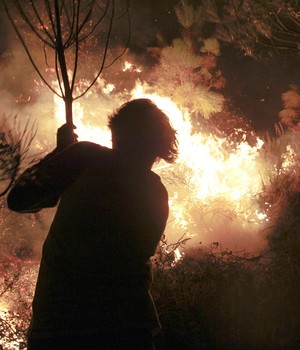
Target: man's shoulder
{"x": 81, "y": 155}
{"x": 156, "y": 185}
{"x": 89, "y": 149}
{"x": 90, "y": 146}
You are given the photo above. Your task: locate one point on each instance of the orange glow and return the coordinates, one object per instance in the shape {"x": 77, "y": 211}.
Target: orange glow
{"x": 213, "y": 190}
{"x": 85, "y": 131}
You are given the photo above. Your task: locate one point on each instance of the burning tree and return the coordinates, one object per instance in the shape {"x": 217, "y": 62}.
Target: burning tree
{"x": 187, "y": 71}
{"x": 67, "y": 31}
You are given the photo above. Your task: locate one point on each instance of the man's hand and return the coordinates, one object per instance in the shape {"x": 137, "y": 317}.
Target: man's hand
{"x": 66, "y": 136}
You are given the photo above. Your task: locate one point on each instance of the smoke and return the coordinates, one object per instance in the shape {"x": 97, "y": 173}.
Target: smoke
{"x": 231, "y": 235}
{"x": 215, "y": 222}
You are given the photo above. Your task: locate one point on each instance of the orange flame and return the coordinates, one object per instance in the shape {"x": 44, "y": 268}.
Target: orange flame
{"x": 205, "y": 177}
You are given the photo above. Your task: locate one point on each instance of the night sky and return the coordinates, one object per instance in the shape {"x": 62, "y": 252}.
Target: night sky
{"x": 253, "y": 87}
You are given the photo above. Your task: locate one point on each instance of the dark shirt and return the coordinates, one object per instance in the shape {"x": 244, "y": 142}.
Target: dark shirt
{"x": 95, "y": 272}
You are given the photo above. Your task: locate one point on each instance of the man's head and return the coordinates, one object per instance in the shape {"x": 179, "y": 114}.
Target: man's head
{"x": 140, "y": 128}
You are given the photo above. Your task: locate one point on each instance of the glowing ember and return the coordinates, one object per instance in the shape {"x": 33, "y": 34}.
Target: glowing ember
{"x": 131, "y": 67}
{"x": 15, "y": 304}
{"x": 288, "y": 158}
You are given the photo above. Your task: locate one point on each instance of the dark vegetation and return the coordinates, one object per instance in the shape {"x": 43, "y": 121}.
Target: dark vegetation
{"x": 216, "y": 299}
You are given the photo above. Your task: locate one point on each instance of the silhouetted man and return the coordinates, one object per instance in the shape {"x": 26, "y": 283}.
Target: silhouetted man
{"x": 93, "y": 285}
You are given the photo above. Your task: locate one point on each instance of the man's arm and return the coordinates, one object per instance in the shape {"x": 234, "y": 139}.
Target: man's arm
{"x": 41, "y": 185}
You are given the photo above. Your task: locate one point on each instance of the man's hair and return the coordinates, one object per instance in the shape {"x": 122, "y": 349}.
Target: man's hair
{"x": 140, "y": 127}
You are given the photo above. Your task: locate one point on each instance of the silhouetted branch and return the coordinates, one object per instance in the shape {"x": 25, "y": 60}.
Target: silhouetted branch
{"x": 104, "y": 53}
{"x": 52, "y": 39}
{"x": 103, "y": 66}
{"x": 14, "y": 146}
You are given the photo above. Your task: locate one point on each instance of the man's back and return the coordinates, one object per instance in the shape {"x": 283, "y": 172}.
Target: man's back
{"x": 94, "y": 271}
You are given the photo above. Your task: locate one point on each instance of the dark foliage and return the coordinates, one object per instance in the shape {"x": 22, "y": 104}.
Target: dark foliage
{"x": 229, "y": 302}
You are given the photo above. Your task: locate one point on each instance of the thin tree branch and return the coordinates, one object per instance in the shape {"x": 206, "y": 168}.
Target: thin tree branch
{"x": 29, "y": 22}
{"x": 27, "y": 50}
{"x": 128, "y": 39}
{"x": 42, "y": 23}
{"x": 104, "y": 54}
{"x": 97, "y": 23}
{"x": 45, "y": 55}
{"x": 284, "y": 26}
{"x": 71, "y": 23}
{"x": 87, "y": 17}
{"x": 103, "y": 66}
{"x": 285, "y": 29}
{"x": 80, "y": 28}
{"x": 61, "y": 53}
{"x": 280, "y": 38}
{"x": 48, "y": 7}
{"x": 250, "y": 32}
{"x": 76, "y": 48}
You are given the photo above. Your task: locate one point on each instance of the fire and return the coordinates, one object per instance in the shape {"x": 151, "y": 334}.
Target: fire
{"x": 288, "y": 158}
{"x": 213, "y": 172}
{"x": 131, "y": 67}
{"x": 210, "y": 182}
{"x": 212, "y": 189}
{"x": 85, "y": 131}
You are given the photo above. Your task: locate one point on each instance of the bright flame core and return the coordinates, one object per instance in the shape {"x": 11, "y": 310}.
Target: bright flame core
{"x": 212, "y": 171}
{"x": 213, "y": 191}
{"x": 85, "y": 131}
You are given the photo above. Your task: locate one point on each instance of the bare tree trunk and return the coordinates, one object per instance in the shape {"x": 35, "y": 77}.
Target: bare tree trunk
{"x": 60, "y": 50}
{"x": 69, "y": 110}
